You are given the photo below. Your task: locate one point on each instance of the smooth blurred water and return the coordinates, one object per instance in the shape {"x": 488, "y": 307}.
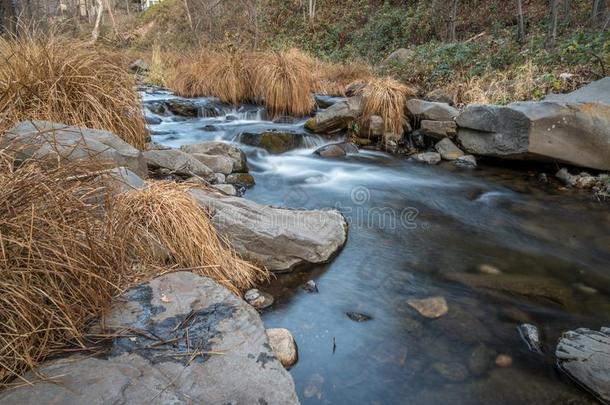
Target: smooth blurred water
{"x": 412, "y": 228}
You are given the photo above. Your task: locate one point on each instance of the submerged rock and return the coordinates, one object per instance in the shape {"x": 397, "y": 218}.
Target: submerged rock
{"x": 481, "y": 360}
{"x": 241, "y": 179}
{"x": 454, "y": 372}
{"x": 358, "y": 317}
{"x": 45, "y": 139}
{"x": 283, "y": 345}
{"x": 279, "y": 239}
{"x": 467, "y": 161}
{"x": 336, "y": 117}
{"x": 489, "y": 269}
{"x": 336, "y": 150}
{"x": 217, "y": 148}
{"x": 431, "y": 158}
{"x": 310, "y": 286}
{"x": 543, "y": 131}
{"x": 504, "y": 361}
{"x": 178, "y": 162}
{"x": 530, "y": 334}
{"x": 162, "y": 363}
{"x": 273, "y": 141}
{"x": 584, "y": 355}
{"x": 539, "y": 289}
{"x": 138, "y": 66}
{"x": 432, "y": 307}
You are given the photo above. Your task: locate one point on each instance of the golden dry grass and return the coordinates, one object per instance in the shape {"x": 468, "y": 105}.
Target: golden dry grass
{"x": 187, "y": 76}
{"x": 227, "y": 76}
{"x": 386, "y": 97}
{"x": 157, "y": 71}
{"x": 45, "y": 77}
{"x": 58, "y": 265}
{"x": 332, "y": 78}
{"x": 165, "y": 214}
{"x": 283, "y": 81}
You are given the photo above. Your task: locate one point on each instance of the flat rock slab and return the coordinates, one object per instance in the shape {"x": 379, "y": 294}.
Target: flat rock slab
{"x": 277, "y": 238}
{"x": 217, "y": 148}
{"x": 337, "y": 117}
{"x": 55, "y": 140}
{"x": 572, "y": 133}
{"x": 227, "y": 359}
{"x": 584, "y": 355}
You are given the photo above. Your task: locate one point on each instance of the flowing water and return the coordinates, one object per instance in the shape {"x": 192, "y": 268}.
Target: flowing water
{"x": 416, "y": 231}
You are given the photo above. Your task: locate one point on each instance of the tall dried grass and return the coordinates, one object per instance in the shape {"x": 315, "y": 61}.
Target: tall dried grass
{"x": 386, "y": 97}
{"x": 156, "y": 71}
{"x": 227, "y": 76}
{"x": 45, "y": 77}
{"x": 165, "y": 214}
{"x": 333, "y": 79}
{"x": 284, "y": 82}
{"x": 58, "y": 265}
{"x": 187, "y": 76}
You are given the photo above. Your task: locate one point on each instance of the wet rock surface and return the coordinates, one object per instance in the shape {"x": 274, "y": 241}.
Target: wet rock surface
{"x": 432, "y": 307}
{"x": 273, "y": 141}
{"x": 336, "y": 150}
{"x": 430, "y": 158}
{"x": 530, "y": 334}
{"x": 584, "y": 355}
{"x": 258, "y": 299}
{"x": 337, "y": 117}
{"x": 448, "y": 150}
{"x": 198, "y": 343}
{"x": 277, "y": 238}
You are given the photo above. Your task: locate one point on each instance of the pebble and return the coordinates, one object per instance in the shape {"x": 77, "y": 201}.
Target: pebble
{"x": 489, "y": 269}
{"x": 432, "y": 307}
{"x": 283, "y": 345}
{"x": 504, "y": 360}
{"x": 531, "y": 336}
{"x": 258, "y": 299}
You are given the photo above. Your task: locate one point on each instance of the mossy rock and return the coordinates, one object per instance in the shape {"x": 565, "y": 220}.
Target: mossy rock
{"x": 273, "y": 141}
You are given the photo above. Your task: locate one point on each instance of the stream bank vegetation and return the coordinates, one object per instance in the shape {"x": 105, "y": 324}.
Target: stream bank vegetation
{"x": 47, "y": 77}
{"x": 69, "y": 244}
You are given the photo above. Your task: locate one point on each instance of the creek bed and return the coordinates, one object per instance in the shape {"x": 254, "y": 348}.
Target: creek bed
{"x": 418, "y": 231}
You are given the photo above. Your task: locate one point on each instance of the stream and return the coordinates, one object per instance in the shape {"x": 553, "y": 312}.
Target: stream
{"x": 418, "y": 231}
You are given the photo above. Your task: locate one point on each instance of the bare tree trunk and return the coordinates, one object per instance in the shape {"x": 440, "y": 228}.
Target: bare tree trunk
{"x": 188, "y": 14}
{"x": 453, "y": 21}
{"x": 111, "y": 17}
{"x": 554, "y": 16}
{"x": 96, "y": 29}
{"x": 567, "y": 6}
{"x": 595, "y": 11}
{"x": 521, "y": 19}
{"x": 311, "y": 9}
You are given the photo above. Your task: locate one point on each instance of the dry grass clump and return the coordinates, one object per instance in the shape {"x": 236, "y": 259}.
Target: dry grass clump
{"x": 284, "y": 82}
{"x": 58, "y": 267}
{"x": 332, "y": 79}
{"x": 228, "y": 78}
{"x": 47, "y": 78}
{"x": 156, "y": 71}
{"x": 386, "y": 97}
{"x": 165, "y": 214}
{"x": 187, "y": 78}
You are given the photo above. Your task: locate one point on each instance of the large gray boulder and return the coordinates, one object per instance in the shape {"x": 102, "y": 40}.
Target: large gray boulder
{"x": 195, "y": 342}
{"x": 596, "y": 92}
{"x": 572, "y": 133}
{"x": 279, "y": 239}
{"x": 431, "y": 110}
{"x": 584, "y": 355}
{"x": 337, "y": 117}
{"x": 54, "y": 140}
{"x": 178, "y": 162}
{"x": 217, "y": 148}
